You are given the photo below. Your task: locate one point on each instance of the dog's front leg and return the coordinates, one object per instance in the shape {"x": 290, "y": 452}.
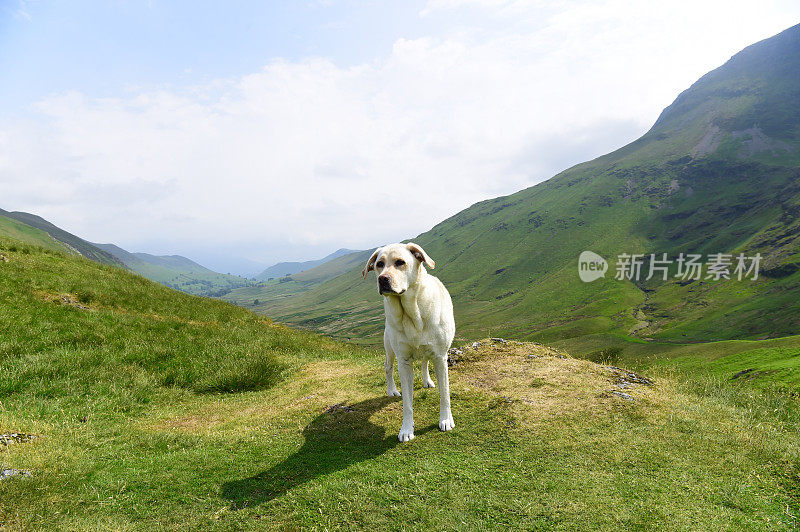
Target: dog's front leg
{"x": 391, "y": 389}
{"x": 405, "y": 369}
{"x": 443, "y": 379}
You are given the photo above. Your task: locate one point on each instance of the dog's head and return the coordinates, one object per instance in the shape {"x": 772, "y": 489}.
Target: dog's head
{"x": 397, "y": 266}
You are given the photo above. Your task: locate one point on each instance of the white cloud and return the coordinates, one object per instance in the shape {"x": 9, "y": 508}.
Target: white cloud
{"x": 312, "y": 156}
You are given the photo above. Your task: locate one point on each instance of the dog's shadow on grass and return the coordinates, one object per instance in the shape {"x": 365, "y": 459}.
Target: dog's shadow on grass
{"x": 339, "y": 437}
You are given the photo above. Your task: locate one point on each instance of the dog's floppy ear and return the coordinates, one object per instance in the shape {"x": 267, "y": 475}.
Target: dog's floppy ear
{"x": 370, "y": 264}
{"x": 420, "y": 254}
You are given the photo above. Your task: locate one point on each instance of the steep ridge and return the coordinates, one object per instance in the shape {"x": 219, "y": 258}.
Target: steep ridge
{"x": 73, "y": 242}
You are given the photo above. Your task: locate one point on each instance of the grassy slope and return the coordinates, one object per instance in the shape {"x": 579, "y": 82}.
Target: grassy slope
{"x": 775, "y": 363}
{"x": 117, "y": 376}
{"x": 511, "y": 262}
{"x": 29, "y": 235}
{"x": 75, "y": 243}
{"x": 177, "y": 272}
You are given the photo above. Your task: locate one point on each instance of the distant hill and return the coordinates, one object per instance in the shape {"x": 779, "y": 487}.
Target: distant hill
{"x": 719, "y": 172}
{"x": 70, "y": 241}
{"x": 176, "y": 272}
{"x": 288, "y": 268}
{"x": 261, "y": 296}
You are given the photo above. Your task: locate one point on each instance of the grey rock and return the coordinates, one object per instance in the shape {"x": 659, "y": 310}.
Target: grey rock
{"x": 623, "y": 395}
{"x": 16, "y": 437}
{"x": 629, "y": 377}
{"x": 10, "y": 472}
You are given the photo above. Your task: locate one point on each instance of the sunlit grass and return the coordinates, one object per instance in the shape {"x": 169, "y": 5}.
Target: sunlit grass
{"x": 155, "y": 409}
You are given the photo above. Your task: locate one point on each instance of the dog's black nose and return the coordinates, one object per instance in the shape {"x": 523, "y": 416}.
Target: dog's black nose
{"x": 384, "y": 283}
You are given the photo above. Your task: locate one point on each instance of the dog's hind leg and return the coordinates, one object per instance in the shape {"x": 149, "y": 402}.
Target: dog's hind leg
{"x": 443, "y": 378}
{"x": 427, "y": 382}
{"x": 391, "y": 389}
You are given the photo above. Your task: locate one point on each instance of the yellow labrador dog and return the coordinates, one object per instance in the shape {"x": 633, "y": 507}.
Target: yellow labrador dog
{"x": 419, "y": 326}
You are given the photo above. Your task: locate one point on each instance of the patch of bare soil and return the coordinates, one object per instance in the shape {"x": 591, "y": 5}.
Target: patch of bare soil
{"x": 541, "y": 381}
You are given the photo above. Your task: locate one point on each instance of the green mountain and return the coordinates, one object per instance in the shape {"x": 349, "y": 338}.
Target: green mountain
{"x": 283, "y": 269}
{"x": 174, "y": 271}
{"x": 719, "y": 172}
{"x": 72, "y": 242}
{"x": 261, "y": 297}
{"x": 30, "y": 235}
{"x": 177, "y": 272}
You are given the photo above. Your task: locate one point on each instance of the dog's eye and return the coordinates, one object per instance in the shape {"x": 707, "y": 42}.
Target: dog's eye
{"x": 399, "y": 262}
{"x": 380, "y": 264}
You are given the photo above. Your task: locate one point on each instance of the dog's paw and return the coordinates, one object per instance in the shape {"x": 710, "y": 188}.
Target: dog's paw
{"x": 394, "y": 392}
{"x": 446, "y": 424}
{"x": 428, "y": 383}
{"x": 406, "y": 434}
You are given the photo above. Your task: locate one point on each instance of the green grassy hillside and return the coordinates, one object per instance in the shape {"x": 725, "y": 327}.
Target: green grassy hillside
{"x": 74, "y": 243}
{"x": 283, "y": 269}
{"x": 151, "y": 409}
{"x": 30, "y": 235}
{"x": 173, "y": 271}
{"x": 177, "y": 272}
{"x": 719, "y": 172}
{"x": 773, "y": 363}
{"x": 262, "y": 296}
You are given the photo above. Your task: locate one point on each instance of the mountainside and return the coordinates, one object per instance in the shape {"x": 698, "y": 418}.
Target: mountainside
{"x": 173, "y": 270}
{"x": 176, "y": 272}
{"x": 130, "y": 406}
{"x": 719, "y": 172}
{"x": 288, "y": 268}
{"x": 261, "y": 297}
{"x": 76, "y": 244}
{"x": 30, "y": 235}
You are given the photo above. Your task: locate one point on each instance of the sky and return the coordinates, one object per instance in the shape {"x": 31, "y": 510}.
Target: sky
{"x": 241, "y": 134}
